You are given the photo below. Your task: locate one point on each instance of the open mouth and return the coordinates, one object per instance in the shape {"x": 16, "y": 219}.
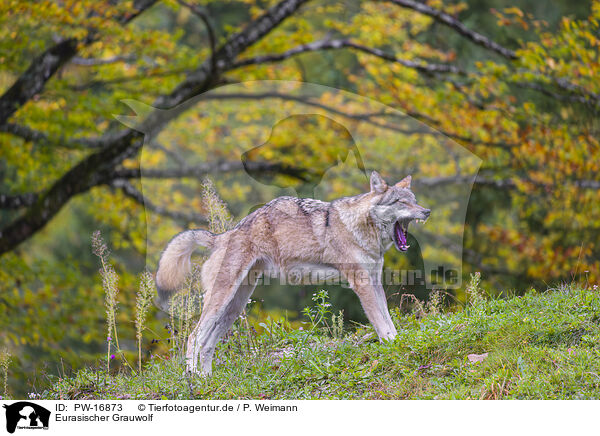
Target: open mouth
{"x": 401, "y": 232}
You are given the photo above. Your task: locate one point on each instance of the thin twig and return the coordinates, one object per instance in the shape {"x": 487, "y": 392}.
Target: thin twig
{"x": 209, "y": 28}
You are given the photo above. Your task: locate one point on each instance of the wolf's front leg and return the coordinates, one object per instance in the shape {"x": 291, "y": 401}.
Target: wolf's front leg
{"x": 388, "y": 330}
{"x": 373, "y": 300}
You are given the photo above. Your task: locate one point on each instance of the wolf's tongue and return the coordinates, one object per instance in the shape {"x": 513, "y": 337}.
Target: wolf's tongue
{"x": 400, "y": 235}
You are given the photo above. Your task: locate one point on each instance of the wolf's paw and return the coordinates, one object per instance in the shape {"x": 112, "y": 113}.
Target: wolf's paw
{"x": 388, "y": 336}
{"x": 195, "y": 372}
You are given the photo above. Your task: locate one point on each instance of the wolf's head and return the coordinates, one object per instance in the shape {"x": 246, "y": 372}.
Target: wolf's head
{"x": 394, "y": 208}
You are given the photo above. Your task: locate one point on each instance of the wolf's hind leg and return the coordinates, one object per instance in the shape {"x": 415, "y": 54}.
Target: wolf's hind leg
{"x": 218, "y": 317}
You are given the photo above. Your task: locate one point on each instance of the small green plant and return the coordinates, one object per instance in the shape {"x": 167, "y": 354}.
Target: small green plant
{"x": 4, "y": 364}
{"x": 474, "y": 293}
{"x": 276, "y": 330}
{"x": 219, "y": 218}
{"x": 142, "y": 304}
{"x": 317, "y": 314}
{"x": 184, "y": 307}
{"x": 110, "y": 281}
{"x": 337, "y": 324}
{"x": 109, "y": 284}
{"x": 417, "y": 306}
{"x": 434, "y": 305}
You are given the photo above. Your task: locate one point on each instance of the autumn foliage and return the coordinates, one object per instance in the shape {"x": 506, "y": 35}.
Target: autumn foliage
{"x": 527, "y": 109}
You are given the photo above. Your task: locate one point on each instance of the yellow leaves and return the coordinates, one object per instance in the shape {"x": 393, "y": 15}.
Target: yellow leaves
{"x": 592, "y": 39}
{"x": 511, "y": 16}
{"x": 528, "y": 106}
{"x": 547, "y": 147}
{"x": 381, "y": 24}
{"x": 255, "y": 11}
{"x": 76, "y": 8}
{"x": 154, "y": 158}
{"x": 514, "y": 11}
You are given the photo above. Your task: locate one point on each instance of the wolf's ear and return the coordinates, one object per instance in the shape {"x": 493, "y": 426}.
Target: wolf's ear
{"x": 378, "y": 185}
{"x": 404, "y": 183}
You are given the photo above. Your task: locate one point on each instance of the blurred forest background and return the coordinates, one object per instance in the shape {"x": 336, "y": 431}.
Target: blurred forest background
{"x": 514, "y": 82}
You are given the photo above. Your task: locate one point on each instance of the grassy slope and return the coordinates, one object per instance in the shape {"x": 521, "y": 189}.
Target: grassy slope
{"x": 541, "y": 346}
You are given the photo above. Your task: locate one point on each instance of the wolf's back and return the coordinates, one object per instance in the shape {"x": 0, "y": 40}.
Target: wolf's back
{"x": 175, "y": 261}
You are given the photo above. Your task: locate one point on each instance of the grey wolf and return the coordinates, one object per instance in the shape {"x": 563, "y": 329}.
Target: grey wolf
{"x": 347, "y": 236}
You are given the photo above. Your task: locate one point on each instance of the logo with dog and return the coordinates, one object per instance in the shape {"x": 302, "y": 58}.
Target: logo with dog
{"x": 24, "y": 415}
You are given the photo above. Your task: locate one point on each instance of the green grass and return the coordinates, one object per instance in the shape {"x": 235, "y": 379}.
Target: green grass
{"x": 540, "y": 346}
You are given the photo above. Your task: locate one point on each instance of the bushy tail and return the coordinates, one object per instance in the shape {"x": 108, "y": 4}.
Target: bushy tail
{"x": 175, "y": 261}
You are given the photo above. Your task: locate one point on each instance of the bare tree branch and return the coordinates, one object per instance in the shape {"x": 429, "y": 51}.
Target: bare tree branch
{"x": 32, "y": 81}
{"x": 206, "y": 168}
{"x": 17, "y": 201}
{"x": 496, "y": 183}
{"x": 24, "y": 132}
{"x": 577, "y": 89}
{"x": 117, "y": 178}
{"x": 44, "y": 66}
{"x": 94, "y": 170}
{"x": 578, "y": 93}
{"x": 92, "y": 62}
{"x": 328, "y": 44}
{"x": 201, "y": 170}
{"x": 458, "y": 26}
{"x": 31, "y": 135}
{"x": 98, "y": 168}
{"x": 125, "y": 79}
{"x": 130, "y": 191}
{"x": 368, "y": 117}
{"x": 139, "y": 6}
{"x": 202, "y": 79}
{"x": 209, "y": 29}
